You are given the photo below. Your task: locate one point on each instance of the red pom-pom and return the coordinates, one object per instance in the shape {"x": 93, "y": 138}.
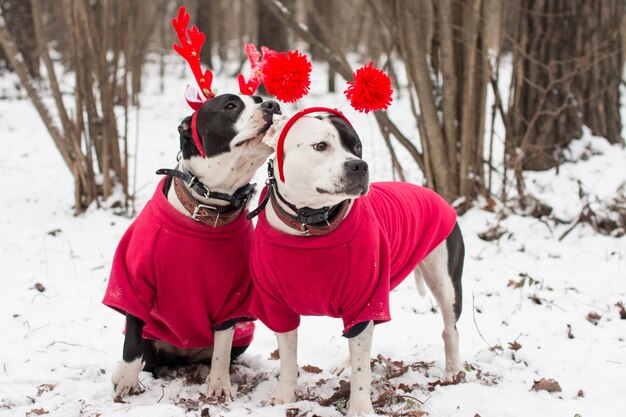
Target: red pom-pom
{"x": 370, "y": 90}
{"x": 287, "y": 76}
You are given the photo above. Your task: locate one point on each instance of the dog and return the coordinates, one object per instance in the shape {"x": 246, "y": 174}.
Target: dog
{"x": 180, "y": 272}
{"x": 324, "y": 245}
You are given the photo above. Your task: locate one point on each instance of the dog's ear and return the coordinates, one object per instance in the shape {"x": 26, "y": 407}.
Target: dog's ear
{"x": 273, "y": 133}
{"x": 184, "y": 130}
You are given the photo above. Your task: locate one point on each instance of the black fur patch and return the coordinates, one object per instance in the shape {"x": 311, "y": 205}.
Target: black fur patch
{"x": 350, "y": 140}
{"x": 132, "y": 339}
{"x": 456, "y": 255}
{"x": 215, "y": 124}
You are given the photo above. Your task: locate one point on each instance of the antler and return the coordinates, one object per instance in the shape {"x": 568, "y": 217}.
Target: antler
{"x": 191, "y": 41}
{"x": 257, "y": 59}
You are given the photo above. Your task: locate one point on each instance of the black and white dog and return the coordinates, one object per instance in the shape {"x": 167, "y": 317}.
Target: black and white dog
{"x": 230, "y": 129}
{"x": 323, "y": 176}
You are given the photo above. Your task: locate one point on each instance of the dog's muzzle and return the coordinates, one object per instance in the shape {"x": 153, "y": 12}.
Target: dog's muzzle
{"x": 357, "y": 179}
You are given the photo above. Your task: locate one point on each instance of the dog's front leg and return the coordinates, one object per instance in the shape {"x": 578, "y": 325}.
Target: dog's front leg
{"x": 285, "y": 392}
{"x": 219, "y": 376}
{"x": 126, "y": 377}
{"x": 361, "y": 379}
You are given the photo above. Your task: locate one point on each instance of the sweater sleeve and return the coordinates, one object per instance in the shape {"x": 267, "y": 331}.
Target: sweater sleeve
{"x": 272, "y": 311}
{"x": 132, "y": 287}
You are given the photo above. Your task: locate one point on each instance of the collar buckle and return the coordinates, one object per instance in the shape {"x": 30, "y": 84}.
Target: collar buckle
{"x": 196, "y": 212}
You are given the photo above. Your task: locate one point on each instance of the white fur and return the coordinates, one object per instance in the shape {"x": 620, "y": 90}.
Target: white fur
{"x": 126, "y": 377}
{"x": 305, "y": 170}
{"x": 285, "y": 391}
{"x": 230, "y": 171}
{"x": 360, "y": 346}
{"x": 434, "y": 269}
{"x": 219, "y": 376}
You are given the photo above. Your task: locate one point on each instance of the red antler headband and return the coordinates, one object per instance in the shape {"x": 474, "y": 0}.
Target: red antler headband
{"x": 280, "y": 154}
{"x": 285, "y": 75}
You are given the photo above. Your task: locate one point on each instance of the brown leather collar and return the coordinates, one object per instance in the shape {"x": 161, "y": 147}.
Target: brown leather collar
{"x": 308, "y": 229}
{"x": 211, "y": 216}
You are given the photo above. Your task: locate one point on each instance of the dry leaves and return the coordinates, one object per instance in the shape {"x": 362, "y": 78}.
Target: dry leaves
{"x": 544, "y": 384}
{"x": 593, "y": 318}
{"x": 45, "y": 388}
{"x": 36, "y": 412}
{"x": 39, "y": 287}
{"x": 312, "y": 369}
{"x": 622, "y": 310}
{"x": 515, "y": 345}
{"x": 274, "y": 356}
{"x": 458, "y": 378}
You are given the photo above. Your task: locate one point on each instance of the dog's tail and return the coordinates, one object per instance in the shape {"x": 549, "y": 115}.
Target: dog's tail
{"x": 419, "y": 281}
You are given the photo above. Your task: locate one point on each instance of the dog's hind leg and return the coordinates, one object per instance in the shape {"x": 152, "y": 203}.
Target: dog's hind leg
{"x": 126, "y": 376}
{"x": 442, "y": 270}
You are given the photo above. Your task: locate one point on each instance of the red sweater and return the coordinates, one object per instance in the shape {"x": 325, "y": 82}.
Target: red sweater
{"x": 181, "y": 277}
{"x": 349, "y": 272}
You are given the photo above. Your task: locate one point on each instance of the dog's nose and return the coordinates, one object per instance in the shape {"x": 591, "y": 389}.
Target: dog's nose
{"x": 272, "y": 106}
{"x": 356, "y": 166}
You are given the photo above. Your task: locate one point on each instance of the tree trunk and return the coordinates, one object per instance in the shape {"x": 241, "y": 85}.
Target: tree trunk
{"x": 18, "y": 17}
{"x": 568, "y": 62}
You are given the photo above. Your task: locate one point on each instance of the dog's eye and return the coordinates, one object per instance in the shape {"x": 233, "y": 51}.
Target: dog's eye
{"x": 230, "y": 106}
{"x": 320, "y": 146}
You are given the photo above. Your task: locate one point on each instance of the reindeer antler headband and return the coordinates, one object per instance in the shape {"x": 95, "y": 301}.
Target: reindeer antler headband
{"x": 285, "y": 75}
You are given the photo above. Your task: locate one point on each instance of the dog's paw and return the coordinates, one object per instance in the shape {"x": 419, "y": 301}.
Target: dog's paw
{"x": 220, "y": 388}
{"x": 360, "y": 408}
{"x": 126, "y": 377}
{"x": 454, "y": 375}
{"x": 282, "y": 395}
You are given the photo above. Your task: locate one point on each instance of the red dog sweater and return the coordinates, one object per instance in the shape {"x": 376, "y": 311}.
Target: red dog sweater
{"x": 182, "y": 278}
{"x": 349, "y": 272}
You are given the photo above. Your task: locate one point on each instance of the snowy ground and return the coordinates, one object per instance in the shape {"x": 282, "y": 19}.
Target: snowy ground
{"x": 59, "y": 347}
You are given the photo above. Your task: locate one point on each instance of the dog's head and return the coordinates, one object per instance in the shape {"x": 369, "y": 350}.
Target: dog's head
{"x": 230, "y": 129}
{"x": 322, "y": 161}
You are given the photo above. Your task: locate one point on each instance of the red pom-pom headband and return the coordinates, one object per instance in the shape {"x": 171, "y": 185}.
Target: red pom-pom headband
{"x": 280, "y": 145}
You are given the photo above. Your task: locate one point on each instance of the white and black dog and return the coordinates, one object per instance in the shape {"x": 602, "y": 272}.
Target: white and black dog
{"x": 325, "y": 246}
{"x": 167, "y": 270}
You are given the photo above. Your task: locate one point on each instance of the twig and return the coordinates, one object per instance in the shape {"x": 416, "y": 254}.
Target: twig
{"x": 416, "y": 399}
{"x": 491, "y": 347}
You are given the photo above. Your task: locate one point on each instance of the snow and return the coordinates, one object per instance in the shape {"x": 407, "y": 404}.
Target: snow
{"x": 64, "y": 336}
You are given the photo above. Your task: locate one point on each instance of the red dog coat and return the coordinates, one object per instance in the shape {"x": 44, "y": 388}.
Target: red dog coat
{"x": 349, "y": 272}
{"x": 182, "y": 278}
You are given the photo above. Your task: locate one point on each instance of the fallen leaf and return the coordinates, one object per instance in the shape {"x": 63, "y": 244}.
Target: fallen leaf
{"x": 205, "y": 413}
{"x": 493, "y": 233}
{"x": 569, "y": 332}
{"x": 549, "y": 385}
{"x": 54, "y": 232}
{"x": 312, "y": 369}
{"x": 39, "y": 287}
{"x": 458, "y": 378}
{"x": 515, "y": 345}
{"x": 118, "y": 399}
{"x": 593, "y": 318}
{"x": 292, "y": 412}
{"x": 274, "y": 356}
{"x": 622, "y": 310}
{"x": 581, "y": 393}
{"x": 341, "y": 393}
{"x": 45, "y": 388}
{"x": 36, "y": 412}
{"x": 535, "y": 299}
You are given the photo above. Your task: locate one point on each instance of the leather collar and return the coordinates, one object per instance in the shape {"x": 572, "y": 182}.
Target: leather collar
{"x": 238, "y": 199}
{"x": 214, "y": 216}
{"x": 307, "y": 221}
